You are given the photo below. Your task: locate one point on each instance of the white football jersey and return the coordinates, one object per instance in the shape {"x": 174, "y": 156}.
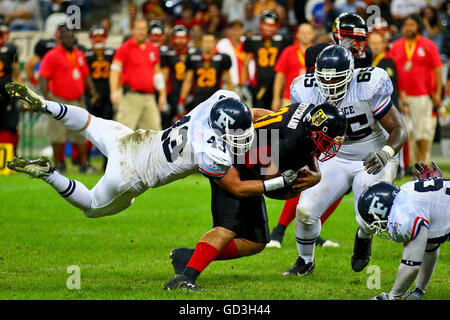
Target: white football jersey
{"x": 188, "y": 146}
{"x": 367, "y": 100}
{"x": 419, "y": 204}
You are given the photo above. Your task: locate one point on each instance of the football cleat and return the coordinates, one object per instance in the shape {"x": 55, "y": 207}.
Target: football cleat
{"x": 330, "y": 244}
{"x": 274, "y": 244}
{"x": 383, "y": 296}
{"x": 417, "y": 294}
{"x": 300, "y": 268}
{"x": 35, "y": 168}
{"x": 362, "y": 251}
{"x": 276, "y": 237}
{"x": 181, "y": 282}
{"x": 31, "y": 100}
{"x": 180, "y": 258}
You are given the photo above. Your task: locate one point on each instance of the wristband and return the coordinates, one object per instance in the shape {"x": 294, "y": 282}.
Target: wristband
{"x": 181, "y": 101}
{"x": 273, "y": 184}
{"x": 389, "y": 150}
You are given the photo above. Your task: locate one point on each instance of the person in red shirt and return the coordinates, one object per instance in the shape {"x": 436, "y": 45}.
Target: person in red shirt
{"x": 135, "y": 75}
{"x": 419, "y": 70}
{"x": 63, "y": 77}
{"x": 290, "y": 65}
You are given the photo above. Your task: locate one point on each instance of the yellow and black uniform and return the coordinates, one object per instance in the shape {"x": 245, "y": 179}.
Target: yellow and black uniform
{"x": 280, "y": 136}
{"x": 177, "y": 66}
{"x": 99, "y": 63}
{"x": 266, "y": 53}
{"x": 207, "y": 74}
{"x": 9, "y": 114}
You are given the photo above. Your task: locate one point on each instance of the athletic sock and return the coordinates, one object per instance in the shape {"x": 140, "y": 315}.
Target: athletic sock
{"x": 73, "y": 191}
{"x": 203, "y": 255}
{"x": 72, "y": 117}
{"x": 229, "y": 252}
{"x": 306, "y": 236}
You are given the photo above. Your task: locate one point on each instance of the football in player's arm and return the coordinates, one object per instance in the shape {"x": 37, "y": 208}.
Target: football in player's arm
{"x": 417, "y": 215}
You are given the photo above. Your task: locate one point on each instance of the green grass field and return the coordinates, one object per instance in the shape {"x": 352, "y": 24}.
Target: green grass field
{"x": 126, "y": 256}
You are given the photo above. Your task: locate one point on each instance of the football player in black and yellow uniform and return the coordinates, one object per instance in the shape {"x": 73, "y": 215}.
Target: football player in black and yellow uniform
{"x": 9, "y": 70}
{"x": 264, "y": 48}
{"x": 204, "y": 73}
{"x": 173, "y": 65}
{"x": 99, "y": 59}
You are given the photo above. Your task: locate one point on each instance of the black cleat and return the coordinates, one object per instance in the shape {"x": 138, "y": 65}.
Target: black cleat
{"x": 181, "y": 282}
{"x": 362, "y": 251}
{"x": 300, "y": 268}
{"x": 180, "y": 258}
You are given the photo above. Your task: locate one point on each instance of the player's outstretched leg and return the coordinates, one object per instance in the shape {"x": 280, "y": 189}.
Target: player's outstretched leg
{"x": 73, "y": 191}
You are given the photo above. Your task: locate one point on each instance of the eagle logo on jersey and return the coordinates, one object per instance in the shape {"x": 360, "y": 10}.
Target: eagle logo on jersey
{"x": 318, "y": 118}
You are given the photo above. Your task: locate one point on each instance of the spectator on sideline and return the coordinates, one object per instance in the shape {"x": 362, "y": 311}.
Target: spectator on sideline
{"x": 234, "y": 9}
{"x": 135, "y": 75}
{"x": 22, "y": 15}
{"x": 400, "y": 9}
{"x": 187, "y": 17}
{"x": 251, "y": 21}
{"x": 263, "y": 5}
{"x": 381, "y": 59}
{"x": 63, "y": 77}
{"x": 213, "y": 20}
{"x": 127, "y": 23}
{"x": 419, "y": 70}
{"x": 290, "y": 65}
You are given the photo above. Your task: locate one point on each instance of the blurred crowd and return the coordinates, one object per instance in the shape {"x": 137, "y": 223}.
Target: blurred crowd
{"x": 176, "y": 53}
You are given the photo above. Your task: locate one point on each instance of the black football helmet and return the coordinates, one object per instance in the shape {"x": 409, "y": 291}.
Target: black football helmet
{"x": 326, "y": 125}
{"x": 179, "y": 39}
{"x": 334, "y": 72}
{"x": 156, "y": 32}
{"x": 350, "y": 30}
{"x": 374, "y": 206}
{"x": 232, "y": 121}
{"x": 98, "y": 36}
{"x": 268, "y": 24}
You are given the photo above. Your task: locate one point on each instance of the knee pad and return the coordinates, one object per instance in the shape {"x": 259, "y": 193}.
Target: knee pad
{"x": 302, "y": 214}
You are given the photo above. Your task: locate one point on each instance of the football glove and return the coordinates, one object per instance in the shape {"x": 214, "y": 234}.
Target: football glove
{"x": 423, "y": 171}
{"x": 383, "y": 296}
{"x": 380, "y": 158}
{"x": 287, "y": 178}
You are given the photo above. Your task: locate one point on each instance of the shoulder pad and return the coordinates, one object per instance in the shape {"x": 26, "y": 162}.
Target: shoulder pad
{"x": 89, "y": 53}
{"x": 109, "y": 52}
{"x": 217, "y": 57}
{"x": 196, "y": 57}
{"x": 192, "y": 50}
{"x": 277, "y": 37}
{"x": 256, "y": 37}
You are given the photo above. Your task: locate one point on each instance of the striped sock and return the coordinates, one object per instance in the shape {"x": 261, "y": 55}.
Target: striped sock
{"x": 73, "y": 191}
{"x": 72, "y": 117}
{"x": 306, "y": 236}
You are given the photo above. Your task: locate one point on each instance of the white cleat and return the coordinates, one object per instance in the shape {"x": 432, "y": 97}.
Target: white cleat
{"x": 330, "y": 244}
{"x": 273, "y": 244}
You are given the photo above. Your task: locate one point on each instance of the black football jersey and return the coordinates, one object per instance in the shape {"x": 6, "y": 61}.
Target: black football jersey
{"x": 280, "y": 137}
{"x": 265, "y": 53}
{"x": 100, "y": 67}
{"x": 366, "y": 60}
{"x": 207, "y": 73}
{"x": 177, "y": 66}
{"x": 8, "y": 55}
{"x": 43, "y": 46}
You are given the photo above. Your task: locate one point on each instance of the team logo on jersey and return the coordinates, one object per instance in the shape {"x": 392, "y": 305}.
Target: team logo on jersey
{"x": 318, "y": 118}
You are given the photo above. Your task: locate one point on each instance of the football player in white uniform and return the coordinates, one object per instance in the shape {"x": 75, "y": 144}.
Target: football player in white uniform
{"x": 142, "y": 159}
{"x": 416, "y": 214}
{"x": 375, "y": 134}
